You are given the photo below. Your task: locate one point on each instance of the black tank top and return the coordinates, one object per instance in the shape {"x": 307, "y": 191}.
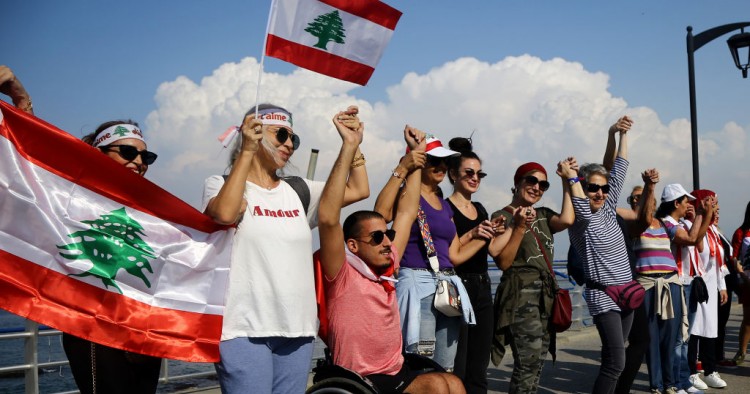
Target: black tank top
{"x": 476, "y": 264}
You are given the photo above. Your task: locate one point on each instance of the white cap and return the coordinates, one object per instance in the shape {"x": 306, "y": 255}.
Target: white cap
{"x": 435, "y": 148}
{"x": 674, "y": 191}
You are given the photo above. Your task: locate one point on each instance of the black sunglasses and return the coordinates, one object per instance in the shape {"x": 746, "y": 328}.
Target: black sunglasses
{"x": 633, "y": 199}
{"x": 283, "y": 134}
{"x": 377, "y": 237}
{"x": 129, "y": 153}
{"x": 532, "y": 180}
{"x": 593, "y": 188}
{"x": 470, "y": 173}
{"x": 434, "y": 161}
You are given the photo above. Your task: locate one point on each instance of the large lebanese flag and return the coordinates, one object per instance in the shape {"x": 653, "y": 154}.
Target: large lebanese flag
{"x": 94, "y": 250}
{"x": 343, "y": 39}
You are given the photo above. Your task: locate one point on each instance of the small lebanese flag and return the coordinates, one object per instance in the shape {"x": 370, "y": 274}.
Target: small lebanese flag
{"x": 343, "y": 39}
{"x": 95, "y": 250}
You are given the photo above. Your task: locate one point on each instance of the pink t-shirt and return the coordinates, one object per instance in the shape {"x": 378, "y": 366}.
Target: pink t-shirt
{"x": 363, "y": 320}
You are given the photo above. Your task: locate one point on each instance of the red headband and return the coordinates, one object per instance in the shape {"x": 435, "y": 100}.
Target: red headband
{"x": 527, "y": 168}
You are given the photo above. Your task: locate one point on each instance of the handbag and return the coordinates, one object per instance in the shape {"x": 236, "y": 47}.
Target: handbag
{"x": 627, "y": 296}
{"x": 562, "y": 307}
{"x": 447, "y": 300}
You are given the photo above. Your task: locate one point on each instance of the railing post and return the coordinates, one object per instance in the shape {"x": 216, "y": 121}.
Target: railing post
{"x": 30, "y": 357}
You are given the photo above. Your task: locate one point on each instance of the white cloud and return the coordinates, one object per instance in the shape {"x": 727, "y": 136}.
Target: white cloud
{"x": 521, "y": 108}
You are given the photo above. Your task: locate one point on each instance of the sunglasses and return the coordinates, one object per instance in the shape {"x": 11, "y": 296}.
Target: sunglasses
{"x": 634, "y": 198}
{"x": 283, "y": 134}
{"x": 470, "y": 173}
{"x": 129, "y": 153}
{"x": 532, "y": 180}
{"x": 434, "y": 161}
{"x": 377, "y": 237}
{"x": 593, "y": 188}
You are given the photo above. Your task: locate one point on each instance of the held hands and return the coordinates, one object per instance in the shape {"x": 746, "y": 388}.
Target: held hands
{"x": 622, "y": 125}
{"x": 348, "y": 125}
{"x": 252, "y": 133}
{"x": 567, "y": 168}
{"x": 708, "y": 205}
{"x": 488, "y": 229}
{"x": 650, "y": 176}
{"x": 413, "y": 160}
{"x": 523, "y": 217}
{"x": 415, "y": 138}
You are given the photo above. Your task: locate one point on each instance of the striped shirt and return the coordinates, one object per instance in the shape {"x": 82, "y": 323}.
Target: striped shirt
{"x": 597, "y": 237}
{"x": 653, "y": 250}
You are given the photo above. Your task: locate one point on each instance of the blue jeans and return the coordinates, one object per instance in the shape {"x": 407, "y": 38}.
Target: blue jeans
{"x": 681, "y": 370}
{"x": 438, "y": 334}
{"x": 264, "y": 365}
{"x": 663, "y": 334}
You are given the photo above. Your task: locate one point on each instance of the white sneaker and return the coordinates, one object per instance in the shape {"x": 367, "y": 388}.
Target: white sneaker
{"x": 693, "y": 389}
{"x": 681, "y": 391}
{"x": 715, "y": 381}
{"x": 696, "y": 381}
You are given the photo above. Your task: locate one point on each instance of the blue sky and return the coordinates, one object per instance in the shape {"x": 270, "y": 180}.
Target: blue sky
{"x": 85, "y": 62}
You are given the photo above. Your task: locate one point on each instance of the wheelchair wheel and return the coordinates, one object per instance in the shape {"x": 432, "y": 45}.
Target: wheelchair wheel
{"x": 338, "y": 386}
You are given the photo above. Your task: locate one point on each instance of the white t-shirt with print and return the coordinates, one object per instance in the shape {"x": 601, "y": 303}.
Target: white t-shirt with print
{"x": 271, "y": 290}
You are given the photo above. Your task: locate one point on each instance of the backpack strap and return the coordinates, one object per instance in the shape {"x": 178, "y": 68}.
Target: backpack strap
{"x": 299, "y": 186}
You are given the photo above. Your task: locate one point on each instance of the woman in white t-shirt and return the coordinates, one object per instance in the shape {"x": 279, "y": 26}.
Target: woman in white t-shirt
{"x": 270, "y": 318}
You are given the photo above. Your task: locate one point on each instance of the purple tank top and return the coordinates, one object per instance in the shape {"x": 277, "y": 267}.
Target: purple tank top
{"x": 442, "y": 230}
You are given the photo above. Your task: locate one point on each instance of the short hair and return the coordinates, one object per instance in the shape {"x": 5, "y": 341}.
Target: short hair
{"x": 352, "y": 224}
{"x": 90, "y": 137}
{"x": 592, "y": 168}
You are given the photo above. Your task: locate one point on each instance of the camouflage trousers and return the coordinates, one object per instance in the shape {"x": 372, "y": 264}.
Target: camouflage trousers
{"x": 529, "y": 339}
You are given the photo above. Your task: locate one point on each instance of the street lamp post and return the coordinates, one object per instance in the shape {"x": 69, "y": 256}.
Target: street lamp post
{"x": 736, "y": 42}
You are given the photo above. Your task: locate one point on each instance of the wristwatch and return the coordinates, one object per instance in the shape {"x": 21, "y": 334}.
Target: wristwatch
{"x": 396, "y": 174}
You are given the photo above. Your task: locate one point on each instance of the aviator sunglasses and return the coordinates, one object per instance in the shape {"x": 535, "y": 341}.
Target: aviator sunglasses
{"x": 434, "y": 161}
{"x": 470, "y": 173}
{"x": 532, "y": 180}
{"x": 593, "y": 188}
{"x": 282, "y": 134}
{"x": 377, "y": 237}
{"x": 129, "y": 153}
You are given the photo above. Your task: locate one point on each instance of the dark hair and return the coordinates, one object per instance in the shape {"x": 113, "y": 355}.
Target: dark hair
{"x": 667, "y": 207}
{"x": 746, "y": 223}
{"x": 464, "y": 147}
{"x": 352, "y": 223}
{"x": 89, "y": 138}
{"x": 237, "y": 145}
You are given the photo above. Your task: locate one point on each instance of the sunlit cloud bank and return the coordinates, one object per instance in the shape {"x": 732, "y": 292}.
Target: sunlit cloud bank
{"x": 520, "y": 109}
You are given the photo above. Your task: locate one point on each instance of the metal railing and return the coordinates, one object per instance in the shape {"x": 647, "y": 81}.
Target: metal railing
{"x": 32, "y": 332}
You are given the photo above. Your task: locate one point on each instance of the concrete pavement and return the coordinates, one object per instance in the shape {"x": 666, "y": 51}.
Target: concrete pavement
{"x": 578, "y": 364}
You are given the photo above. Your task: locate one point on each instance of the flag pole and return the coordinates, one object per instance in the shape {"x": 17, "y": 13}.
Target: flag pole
{"x": 271, "y": 13}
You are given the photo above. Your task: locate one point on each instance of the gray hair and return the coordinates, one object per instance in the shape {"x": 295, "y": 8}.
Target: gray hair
{"x": 589, "y": 169}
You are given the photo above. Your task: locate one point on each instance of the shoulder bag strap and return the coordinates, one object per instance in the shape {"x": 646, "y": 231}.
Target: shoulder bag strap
{"x": 429, "y": 245}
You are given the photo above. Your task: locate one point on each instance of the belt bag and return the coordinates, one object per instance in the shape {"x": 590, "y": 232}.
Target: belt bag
{"x": 627, "y": 296}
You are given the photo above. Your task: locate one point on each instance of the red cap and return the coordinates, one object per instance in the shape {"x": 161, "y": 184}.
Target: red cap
{"x": 527, "y": 168}
{"x": 699, "y": 195}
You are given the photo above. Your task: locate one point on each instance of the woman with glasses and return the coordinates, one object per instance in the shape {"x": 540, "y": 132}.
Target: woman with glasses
{"x": 97, "y": 368}
{"x": 465, "y": 174}
{"x": 523, "y": 301}
{"x": 431, "y": 253}
{"x": 270, "y": 318}
{"x": 597, "y": 237}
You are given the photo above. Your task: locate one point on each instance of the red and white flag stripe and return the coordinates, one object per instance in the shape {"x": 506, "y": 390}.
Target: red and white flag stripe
{"x": 366, "y": 29}
{"x": 50, "y": 184}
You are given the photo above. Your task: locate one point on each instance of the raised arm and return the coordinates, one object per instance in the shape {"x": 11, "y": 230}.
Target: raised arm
{"x": 229, "y": 205}
{"x": 332, "y": 254}
{"x": 387, "y": 201}
{"x": 702, "y": 221}
{"x": 567, "y": 170}
{"x": 406, "y": 211}
{"x": 357, "y": 186}
{"x": 11, "y": 86}
{"x": 646, "y": 205}
{"x": 610, "y": 152}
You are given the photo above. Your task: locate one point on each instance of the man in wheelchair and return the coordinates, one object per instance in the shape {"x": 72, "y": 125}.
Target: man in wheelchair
{"x": 360, "y": 317}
